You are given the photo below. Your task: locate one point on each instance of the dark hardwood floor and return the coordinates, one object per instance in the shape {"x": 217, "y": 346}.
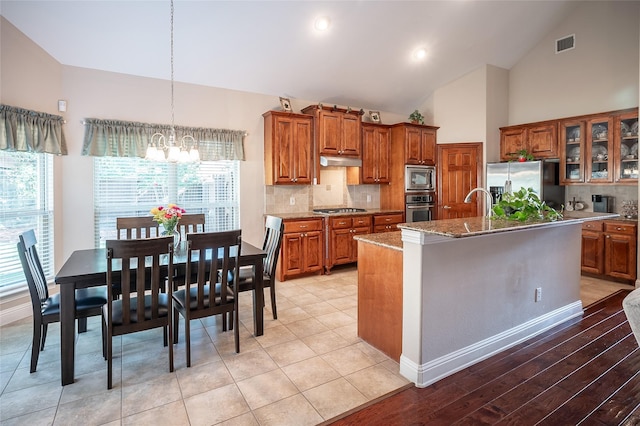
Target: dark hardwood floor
{"x": 585, "y": 371}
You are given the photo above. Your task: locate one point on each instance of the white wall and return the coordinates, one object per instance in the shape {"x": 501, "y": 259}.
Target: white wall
{"x": 600, "y": 74}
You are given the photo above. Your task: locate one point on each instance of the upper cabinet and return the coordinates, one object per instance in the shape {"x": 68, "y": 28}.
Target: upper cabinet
{"x": 599, "y": 150}
{"x": 376, "y": 148}
{"x": 593, "y": 149}
{"x": 571, "y": 151}
{"x": 626, "y": 158}
{"x": 288, "y": 155}
{"x": 538, "y": 139}
{"x": 337, "y": 130}
{"x": 419, "y": 142}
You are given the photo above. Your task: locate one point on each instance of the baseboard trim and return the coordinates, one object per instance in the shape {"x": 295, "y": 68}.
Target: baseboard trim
{"x": 430, "y": 372}
{"x": 15, "y": 313}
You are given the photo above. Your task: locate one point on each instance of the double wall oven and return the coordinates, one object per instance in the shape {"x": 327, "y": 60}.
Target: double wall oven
{"x": 419, "y": 188}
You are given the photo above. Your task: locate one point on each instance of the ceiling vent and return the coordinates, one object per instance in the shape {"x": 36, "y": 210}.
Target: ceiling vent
{"x": 565, "y": 43}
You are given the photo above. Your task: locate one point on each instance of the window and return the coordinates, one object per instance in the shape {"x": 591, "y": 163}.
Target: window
{"x": 26, "y": 202}
{"x": 133, "y": 186}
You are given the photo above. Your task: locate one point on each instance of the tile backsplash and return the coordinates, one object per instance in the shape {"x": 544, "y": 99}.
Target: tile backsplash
{"x": 583, "y": 193}
{"x": 332, "y": 191}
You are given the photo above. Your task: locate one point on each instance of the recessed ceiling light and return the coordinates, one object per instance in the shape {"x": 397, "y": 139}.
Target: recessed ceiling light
{"x": 322, "y": 23}
{"x": 419, "y": 54}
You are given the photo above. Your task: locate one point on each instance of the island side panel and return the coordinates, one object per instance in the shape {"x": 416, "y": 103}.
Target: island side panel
{"x": 380, "y": 297}
{"x": 477, "y": 294}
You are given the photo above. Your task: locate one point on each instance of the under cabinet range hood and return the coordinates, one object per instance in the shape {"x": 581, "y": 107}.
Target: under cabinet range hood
{"x": 326, "y": 161}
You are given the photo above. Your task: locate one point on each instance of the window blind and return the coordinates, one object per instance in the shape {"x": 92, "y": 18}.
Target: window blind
{"x": 133, "y": 186}
{"x": 26, "y": 202}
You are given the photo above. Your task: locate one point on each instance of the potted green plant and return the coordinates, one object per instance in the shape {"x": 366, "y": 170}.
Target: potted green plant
{"x": 523, "y": 155}
{"x": 524, "y": 205}
{"x": 416, "y": 117}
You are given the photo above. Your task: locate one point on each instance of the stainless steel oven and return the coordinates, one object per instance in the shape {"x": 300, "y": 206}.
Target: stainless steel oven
{"x": 419, "y": 206}
{"x": 419, "y": 178}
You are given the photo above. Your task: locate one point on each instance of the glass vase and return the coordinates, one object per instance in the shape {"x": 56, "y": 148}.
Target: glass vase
{"x": 176, "y": 237}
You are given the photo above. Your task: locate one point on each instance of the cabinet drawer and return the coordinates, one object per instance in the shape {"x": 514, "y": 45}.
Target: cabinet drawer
{"x": 593, "y": 225}
{"x": 303, "y": 225}
{"x": 620, "y": 228}
{"x": 360, "y": 221}
{"x": 387, "y": 219}
{"x": 340, "y": 222}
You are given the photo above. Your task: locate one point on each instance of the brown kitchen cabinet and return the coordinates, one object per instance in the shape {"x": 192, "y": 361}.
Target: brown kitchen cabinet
{"x": 598, "y": 156}
{"x": 302, "y": 248}
{"x": 376, "y": 148}
{"x": 609, "y": 249}
{"x": 341, "y": 247}
{"x": 337, "y": 130}
{"x": 288, "y": 155}
{"x": 572, "y": 150}
{"x": 538, "y": 139}
{"x": 419, "y": 142}
{"x": 387, "y": 222}
{"x": 626, "y": 148}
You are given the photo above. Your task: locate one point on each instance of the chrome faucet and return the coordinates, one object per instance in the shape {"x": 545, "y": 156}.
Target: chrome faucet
{"x": 488, "y": 201}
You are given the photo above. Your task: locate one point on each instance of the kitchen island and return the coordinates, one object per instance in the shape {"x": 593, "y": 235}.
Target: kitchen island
{"x": 470, "y": 287}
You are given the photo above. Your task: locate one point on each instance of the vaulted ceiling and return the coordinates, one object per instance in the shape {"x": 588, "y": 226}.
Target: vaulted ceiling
{"x": 365, "y": 58}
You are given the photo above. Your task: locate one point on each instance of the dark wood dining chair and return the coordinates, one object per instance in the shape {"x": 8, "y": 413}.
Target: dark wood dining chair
{"x": 143, "y": 264}
{"x": 273, "y": 233}
{"x": 218, "y": 255}
{"x": 46, "y": 308}
{"x": 137, "y": 227}
{"x": 191, "y": 223}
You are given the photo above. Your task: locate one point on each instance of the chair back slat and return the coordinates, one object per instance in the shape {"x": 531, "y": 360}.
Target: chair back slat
{"x": 137, "y": 227}
{"x": 32, "y": 268}
{"x": 218, "y": 253}
{"x": 190, "y": 223}
{"x": 146, "y": 259}
{"x": 274, "y": 231}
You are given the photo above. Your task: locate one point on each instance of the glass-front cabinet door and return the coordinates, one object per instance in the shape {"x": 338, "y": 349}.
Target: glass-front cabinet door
{"x": 626, "y": 159}
{"x": 599, "y": 150}
{"x": 572, "y": 142}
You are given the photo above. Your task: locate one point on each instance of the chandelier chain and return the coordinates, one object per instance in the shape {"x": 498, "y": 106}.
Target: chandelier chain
{"x": 172, "y": 104}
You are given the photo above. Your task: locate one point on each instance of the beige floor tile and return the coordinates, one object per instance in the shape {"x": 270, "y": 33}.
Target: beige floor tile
{"x": 310, "y": 373}
{"x": 307, "y": 327}
{"x": 266, "y": 388}
{"x": 216, "y": 405}
{"x": 95, "y": 410}
{"x": 151, "y": 394}
{"x": 39, "y": 418}
{"x": 320, "y": 308}
{"x": 292, "y": 411}
{"x": 172, "y": 414}
{"x": 334, "y": 398}
{"x": 376, "y": 381}
{"x": 344, "y": 302}
{"x": 325, "y": 342}
{"x": 20, "y": 402}
{"x": 249, "y": 364}
{"x": 291, "y": 315}
{"x": 275, "y": 336}
{"x": 336, "y": 319}
{"x": 290, "y": 352}
{"x": 86, "y": 385}
{"x": 247, "y": 419}
{"x": 203, "y": 378}
{"x": 348, "y": 360}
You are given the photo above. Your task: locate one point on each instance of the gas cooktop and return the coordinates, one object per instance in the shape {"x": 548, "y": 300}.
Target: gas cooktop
{"x": 339, "y": 210}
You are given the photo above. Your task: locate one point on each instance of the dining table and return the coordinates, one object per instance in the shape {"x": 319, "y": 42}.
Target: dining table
{"x": 88, "y": 268}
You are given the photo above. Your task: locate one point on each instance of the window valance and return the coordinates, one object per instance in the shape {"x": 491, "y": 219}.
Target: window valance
{"x": 115, "y": 138}
{"x": 31, "y": 131}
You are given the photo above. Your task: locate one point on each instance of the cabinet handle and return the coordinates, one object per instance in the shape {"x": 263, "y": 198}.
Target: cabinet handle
{"x": 619, "y": 229}
{"x": 447, "y": 207}
{"x": 303, "y": 226}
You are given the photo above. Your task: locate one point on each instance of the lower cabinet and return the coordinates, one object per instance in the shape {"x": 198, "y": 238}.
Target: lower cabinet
{"x": 609, "y": 249}
{"x": 387, "y": 222}
{"x": 341, "y": 247}
{"x": 301, "y": 250}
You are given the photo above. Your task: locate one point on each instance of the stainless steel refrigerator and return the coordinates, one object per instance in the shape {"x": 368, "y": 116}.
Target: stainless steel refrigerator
{"x": 542, "y": 176}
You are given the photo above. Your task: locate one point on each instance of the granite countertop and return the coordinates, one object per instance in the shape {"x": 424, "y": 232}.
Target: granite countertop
{"x": 473, "y": 226}
{"x": 312, "y": 215}
{"x": 392, "y": 240}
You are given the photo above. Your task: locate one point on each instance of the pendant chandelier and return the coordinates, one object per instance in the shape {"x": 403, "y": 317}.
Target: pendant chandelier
{"x": 184, "y": 152}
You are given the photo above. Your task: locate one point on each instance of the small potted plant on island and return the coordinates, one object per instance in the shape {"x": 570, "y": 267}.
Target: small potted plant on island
{"x": 524, "y": 205}
{"x": 416, "y": 117}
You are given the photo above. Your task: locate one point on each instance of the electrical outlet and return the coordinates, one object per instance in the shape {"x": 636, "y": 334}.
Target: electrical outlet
{"x": 368, "y": 198}
{"x": 292, "y": 201}
{"x": 538, "y": 294}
